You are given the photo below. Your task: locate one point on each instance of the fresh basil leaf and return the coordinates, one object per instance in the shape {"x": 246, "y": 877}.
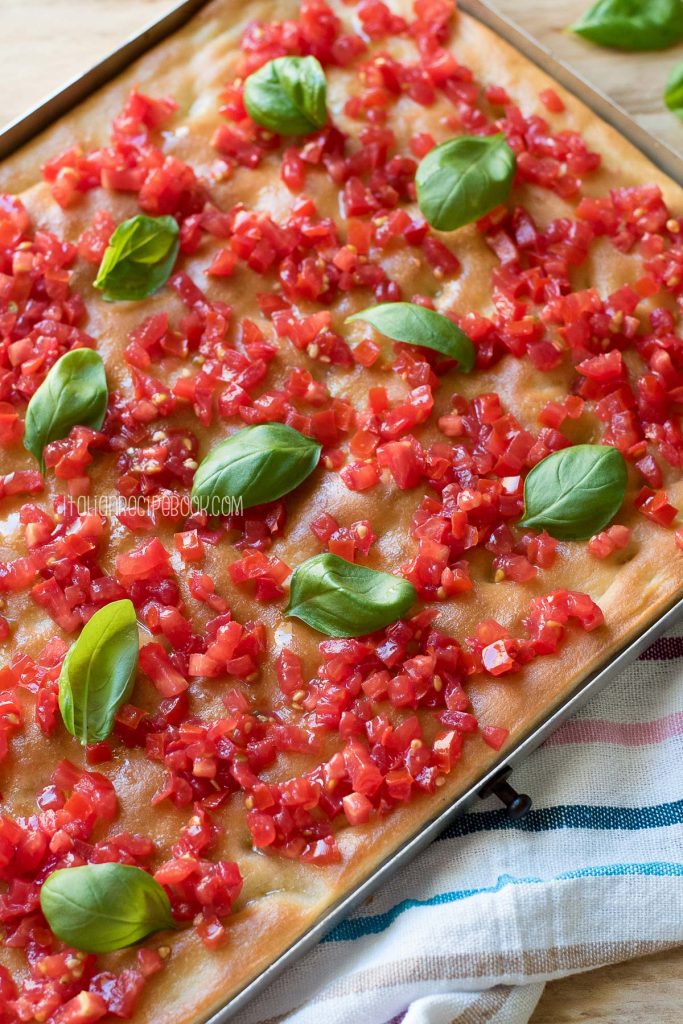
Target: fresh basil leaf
{"x": 417, "y": 325}
{"x": 288, "y": 95}
{"x": 673, "y": 95}
{"x": 99, "y": 671}
{"x": 339, "y": 598}
{"x": 463, "y": 179}
{"x": 74, "y": 393}
{"x": 139, "y": 258}
{"x": 632, "y": 24}
{"x": 575, "y": 492}
{"x": 255, "y": 465}
{"x": 102, "y": 907}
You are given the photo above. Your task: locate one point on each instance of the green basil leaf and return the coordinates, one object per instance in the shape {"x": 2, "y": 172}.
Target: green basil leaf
{"x": 673, "y": 96}
{"x": 74, "y": 393}
{"x": 255, "y": 465}
{"x": 139, "y": 258}
{"x": 102, "y": 907}
{"x": 99, "y": 671}
{"x": 463, "y": 179}
{"x": 632, "y": 24}
{"x": 575, "y": 492}
{"x": 406, "y": 321}
{"x": 339, "y": 598}
{"x": 288, "y": 95}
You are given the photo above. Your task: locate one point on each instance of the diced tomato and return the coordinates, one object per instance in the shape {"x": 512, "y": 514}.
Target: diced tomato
{"x": 494, "y": 736}
{"x": 551, "y": 101}
{"x": 357, "y": 808}
{"x": 85, "y": 1007}
{"x": 155, "y": 663}
{"x": 656, "y": 506}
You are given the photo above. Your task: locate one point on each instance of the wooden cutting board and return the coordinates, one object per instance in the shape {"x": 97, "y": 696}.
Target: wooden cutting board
{"x": 60, "y": 38}
{"x": 635, "y": 80}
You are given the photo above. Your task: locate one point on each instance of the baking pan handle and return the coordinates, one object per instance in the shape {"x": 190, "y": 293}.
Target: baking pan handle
{"x": 516, "y": 804}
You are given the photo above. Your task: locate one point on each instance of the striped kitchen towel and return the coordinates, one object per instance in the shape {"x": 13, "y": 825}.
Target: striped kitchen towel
{"x": 473, "y": 928}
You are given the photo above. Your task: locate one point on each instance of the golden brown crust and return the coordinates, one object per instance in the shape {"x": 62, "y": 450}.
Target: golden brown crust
{"x": 282, "y": 898}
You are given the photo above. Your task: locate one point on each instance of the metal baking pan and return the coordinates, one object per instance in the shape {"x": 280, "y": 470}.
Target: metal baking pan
{"x": 26, "y": 127}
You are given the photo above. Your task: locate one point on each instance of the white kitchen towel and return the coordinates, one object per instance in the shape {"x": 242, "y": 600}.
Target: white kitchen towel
{"x": 472, "y": 929}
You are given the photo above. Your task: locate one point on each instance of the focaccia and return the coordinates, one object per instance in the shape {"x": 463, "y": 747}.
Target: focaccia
{"x": 421, "y": 472}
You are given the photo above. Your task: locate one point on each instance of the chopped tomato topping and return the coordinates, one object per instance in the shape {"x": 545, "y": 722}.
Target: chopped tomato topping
{"x": 367, "y": 723}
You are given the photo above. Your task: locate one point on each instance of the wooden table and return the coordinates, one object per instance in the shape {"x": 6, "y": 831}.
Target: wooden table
{"x": 59, "y": 38}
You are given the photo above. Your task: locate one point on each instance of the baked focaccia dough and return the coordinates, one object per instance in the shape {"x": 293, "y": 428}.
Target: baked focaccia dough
{"x": 281, "y": 898}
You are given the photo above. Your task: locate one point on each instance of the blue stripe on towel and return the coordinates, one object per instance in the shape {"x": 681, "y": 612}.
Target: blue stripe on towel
{"x": 545, "y": 819}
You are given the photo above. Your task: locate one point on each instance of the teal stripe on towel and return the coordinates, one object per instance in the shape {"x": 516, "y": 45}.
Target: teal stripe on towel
{"x": 357, "y": 928}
